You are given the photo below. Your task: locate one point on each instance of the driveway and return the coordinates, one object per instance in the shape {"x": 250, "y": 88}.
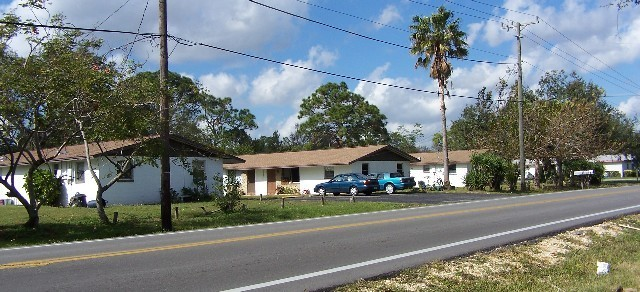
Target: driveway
{"x": 420, "y": 198}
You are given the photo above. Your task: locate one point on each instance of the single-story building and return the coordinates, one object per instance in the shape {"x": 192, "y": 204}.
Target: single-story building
{"x": 429, "y": 166}
{"x": 615, "y": 163}
{"x": 190, "y": 162}
{"x": 263, "y": 174}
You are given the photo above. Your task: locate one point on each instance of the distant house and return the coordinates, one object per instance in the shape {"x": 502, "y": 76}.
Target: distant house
{"x": 615, "y": 163}
{"x": 264, "y": 173}
{"x": 429, "y": 167}
{"x": 140, "y": 186}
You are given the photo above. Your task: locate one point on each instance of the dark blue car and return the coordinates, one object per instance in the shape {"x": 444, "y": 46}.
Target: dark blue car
{"x": 350, "y": 183}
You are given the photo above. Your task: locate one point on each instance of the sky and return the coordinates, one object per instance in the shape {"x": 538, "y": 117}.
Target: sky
{"x": 268, "y": 55}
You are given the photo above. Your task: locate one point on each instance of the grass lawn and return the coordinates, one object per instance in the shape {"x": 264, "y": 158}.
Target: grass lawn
{"x": 70, "y": 224}
{"x": 565, "y": 262}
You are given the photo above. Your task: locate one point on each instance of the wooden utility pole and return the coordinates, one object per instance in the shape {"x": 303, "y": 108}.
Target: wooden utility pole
{"x": 165, "y": 166}
{"x": 521, "y": 164}
{"x": 523, "y": 185}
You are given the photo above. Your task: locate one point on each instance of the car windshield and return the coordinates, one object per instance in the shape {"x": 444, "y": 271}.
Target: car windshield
{"x": 359, "y": 176}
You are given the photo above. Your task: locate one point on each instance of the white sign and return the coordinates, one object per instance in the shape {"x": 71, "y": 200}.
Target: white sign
{"x": 583, "y": 172}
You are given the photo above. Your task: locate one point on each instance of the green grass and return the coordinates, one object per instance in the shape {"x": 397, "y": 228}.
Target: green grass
{"x": 526, "y": 267}
{"x": 70, "y": 224}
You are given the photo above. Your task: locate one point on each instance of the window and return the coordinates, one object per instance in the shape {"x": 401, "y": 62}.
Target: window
{"x": 198, "y": 173}
{"x": 128, "y": 175}
{"x": 79, "y": 178}
{"x": 426, "y": 168}
{"x": 399, "y": 169}
{"x": 291, "y": 175}
{"x": 56, "y": 170}
{"x": 328, "y": 172}
{"x": 452, "y": 168}
{"x": 365, "y": 168}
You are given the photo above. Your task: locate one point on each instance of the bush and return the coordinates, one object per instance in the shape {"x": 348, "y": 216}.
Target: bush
{"x": 287, "y": 190}
{"x": 46, "y": 187}
{"x": 613, "y": 173}
{"x": 476, "y": 180}
{"x": 487, "y": 169}
{"x": 630, "y": 173}
{"x": 581, "y": 164}
{"x": 227, "y": 194}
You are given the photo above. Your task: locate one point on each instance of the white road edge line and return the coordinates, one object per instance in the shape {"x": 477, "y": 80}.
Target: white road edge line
{"x": 417, "y": 252}
{"x": 284, "y": 222}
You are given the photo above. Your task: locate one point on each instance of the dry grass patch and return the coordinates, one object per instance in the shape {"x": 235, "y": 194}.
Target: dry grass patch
{"x": 551, "y": 263}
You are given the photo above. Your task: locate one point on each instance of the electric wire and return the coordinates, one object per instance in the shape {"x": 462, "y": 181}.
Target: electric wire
{"x": 190, "y": 43}
{"x": 561, "y": 34}
{"x": 580, "y": 66}
{"x": 363, "y": 36}
{"x": 392, "y": 27}
{"x": 186, "y": 42}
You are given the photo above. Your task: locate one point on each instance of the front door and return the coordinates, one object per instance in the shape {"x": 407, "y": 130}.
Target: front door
{"x": 271, "y": 181}
{"x": 251, "y": 182}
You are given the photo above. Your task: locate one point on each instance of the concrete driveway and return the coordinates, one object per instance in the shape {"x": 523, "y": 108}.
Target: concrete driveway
{"x": 431, "y": 198}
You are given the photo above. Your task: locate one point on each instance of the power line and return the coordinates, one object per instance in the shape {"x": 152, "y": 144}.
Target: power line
{"x": 354, "y": 16}
{"x": 560, "y": 33}
{"x": 579, "y": 66}
{"x": 186, "y": 42}
{"x": 363, "y": 36}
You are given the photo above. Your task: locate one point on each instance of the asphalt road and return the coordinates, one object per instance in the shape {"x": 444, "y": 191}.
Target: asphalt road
{"x": 304, "y": 254}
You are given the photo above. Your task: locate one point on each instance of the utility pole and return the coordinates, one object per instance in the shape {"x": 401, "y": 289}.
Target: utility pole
{"x": 523, "y": 185}
{"x": 165, "y": 166}
{"x": 519, "y": 26}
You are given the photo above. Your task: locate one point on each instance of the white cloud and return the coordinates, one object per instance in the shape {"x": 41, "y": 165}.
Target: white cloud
{"x": 388, "y": 15}
{"x": 287, "y": 84}
{"x": 631, "y": 107}
{"x": 224, "y": 85}
{"x": 235, "y": 25}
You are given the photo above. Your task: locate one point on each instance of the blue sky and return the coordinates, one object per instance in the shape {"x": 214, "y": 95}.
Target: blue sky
{"x": 368, "y": 41}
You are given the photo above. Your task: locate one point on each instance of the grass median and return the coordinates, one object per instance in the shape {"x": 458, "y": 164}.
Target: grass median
{"x": 565, "y": 262}
{"x": 71, "y": 224}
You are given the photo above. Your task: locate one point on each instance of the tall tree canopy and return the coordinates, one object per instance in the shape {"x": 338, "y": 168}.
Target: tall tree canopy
{"x": 42, "y": 95}
{"x": 435, "y": 39}
{"x": 335, "y": 117}
{"x": 203, "y": 117}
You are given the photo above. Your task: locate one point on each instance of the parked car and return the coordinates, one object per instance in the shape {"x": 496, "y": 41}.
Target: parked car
{"x": 350, "y": 183}
{"x": 392, "y": 181}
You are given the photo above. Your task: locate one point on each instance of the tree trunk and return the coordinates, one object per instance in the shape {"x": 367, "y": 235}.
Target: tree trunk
{"x": 34, "y": 218}
{"x": 104, "y": 219}
{"x": 445, "y": 149}
{"x": 559, "y": 174}
{"x": 537, "y": 173}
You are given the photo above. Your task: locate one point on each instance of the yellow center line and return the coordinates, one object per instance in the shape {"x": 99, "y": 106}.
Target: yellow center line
{"x": 43, "y": 262}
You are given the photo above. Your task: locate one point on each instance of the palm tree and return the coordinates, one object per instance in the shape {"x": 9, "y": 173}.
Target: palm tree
{"x": 434, "y": 39}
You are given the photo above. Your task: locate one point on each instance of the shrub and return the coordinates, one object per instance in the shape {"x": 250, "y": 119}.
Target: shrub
{"x": 287, "y": 190}
{"x": 613, "y": 173}
{"x": 487, "y": 169}
{"x": 227, "y": 194}
{"x": 581, "y": 164}
{"x": 630, "y": 173}
{"x": 46, "y": 187}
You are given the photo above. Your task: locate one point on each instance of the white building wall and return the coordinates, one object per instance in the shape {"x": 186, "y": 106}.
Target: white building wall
{"x": 144, "y": 189}
{"x": 436, "y": 171}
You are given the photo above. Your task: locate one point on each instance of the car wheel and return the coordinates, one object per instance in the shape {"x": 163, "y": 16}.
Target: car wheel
{"x": 353, "y": 191}
{"x": 322, "y": 191}
{"x": 389, "y": 188}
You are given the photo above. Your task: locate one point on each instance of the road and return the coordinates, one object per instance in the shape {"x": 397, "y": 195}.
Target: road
{"x": 300, "y": 255}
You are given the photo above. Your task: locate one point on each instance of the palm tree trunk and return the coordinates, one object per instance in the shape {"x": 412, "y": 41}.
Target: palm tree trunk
{"x": 445, "y": 150}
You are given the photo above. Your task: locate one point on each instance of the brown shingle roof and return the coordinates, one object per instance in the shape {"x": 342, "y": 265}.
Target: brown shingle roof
{"x": 119, "y": 147}
{"x": 459, "y": 156}
{"x": 340, "y": 156}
